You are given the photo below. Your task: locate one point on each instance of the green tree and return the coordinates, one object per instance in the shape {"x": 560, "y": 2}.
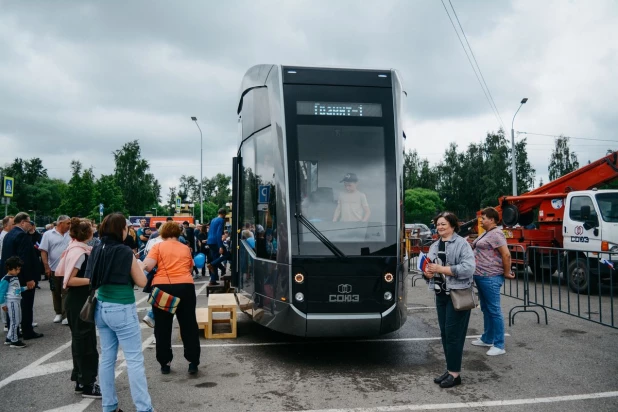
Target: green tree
{"x": 496, "y": 179}
{"x": 46, "y": 195}
{"x": 79, "y": 197}
{"x": 210, "y": 211}
{"x": 189, "y": 189}
{"x": 428, "y": 178}
{"x": 411, "y": 169}
{"x": 170, "y": 207}
{"x": 223, "y": 190}
{"x": 421, "y": 205}
{"x": 109, "y": 193}
{"x": 561, "y": 160}
{"x": 139, "y": 188}
{"x": 449, "y": 178}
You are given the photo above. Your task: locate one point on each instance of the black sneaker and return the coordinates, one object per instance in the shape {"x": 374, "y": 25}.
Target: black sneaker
{"x": 7, "y": 341}
{"x": 19, "y": 344}
{"x": 165, "y": 369}
{"x": 79, "y": 388}
{"x": 92, "y": 391}
{"x": 192, "y": 368}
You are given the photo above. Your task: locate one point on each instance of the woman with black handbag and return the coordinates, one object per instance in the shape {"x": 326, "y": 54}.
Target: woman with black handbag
{"x": 174, "y": 279}
{"x": 451, "y": 272}
{"x": 72, "y": 267}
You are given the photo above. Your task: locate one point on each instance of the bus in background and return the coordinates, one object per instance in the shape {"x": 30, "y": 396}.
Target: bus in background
{"x": 317, "y": 197}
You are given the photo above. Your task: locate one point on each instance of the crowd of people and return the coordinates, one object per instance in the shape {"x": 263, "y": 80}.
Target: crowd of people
{"x": 82, "y": 261}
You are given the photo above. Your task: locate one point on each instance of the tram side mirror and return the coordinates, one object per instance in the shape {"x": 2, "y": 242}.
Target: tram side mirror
{"x": 589, "y": 221}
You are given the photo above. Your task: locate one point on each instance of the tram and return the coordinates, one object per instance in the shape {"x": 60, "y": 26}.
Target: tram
{"x": 318, "y": 200}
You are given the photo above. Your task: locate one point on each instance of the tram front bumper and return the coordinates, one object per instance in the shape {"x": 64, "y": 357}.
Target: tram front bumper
{"x": 324, "y": 325}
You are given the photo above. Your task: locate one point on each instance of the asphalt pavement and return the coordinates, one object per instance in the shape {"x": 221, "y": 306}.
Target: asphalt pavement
{"x": 566, "y": 365}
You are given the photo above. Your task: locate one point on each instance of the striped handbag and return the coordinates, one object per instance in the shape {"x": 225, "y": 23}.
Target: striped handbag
{"x": 163, "y": 300}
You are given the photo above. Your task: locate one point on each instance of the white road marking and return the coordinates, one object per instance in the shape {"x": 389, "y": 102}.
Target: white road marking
{"x": 232, "y": 345}
{"x": 76, "y": 407}
{"x": 421, "y": 308}
{"x": 33, "y": 365}
{"x": 469, "y": 405}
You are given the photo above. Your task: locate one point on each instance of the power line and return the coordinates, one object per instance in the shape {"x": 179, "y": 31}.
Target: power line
{"x": 476, "y": 62}
{"x": 494, "y": 109}
{"x": 570, "y": 137}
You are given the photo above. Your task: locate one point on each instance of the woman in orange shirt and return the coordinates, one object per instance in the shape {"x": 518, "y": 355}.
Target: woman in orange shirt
{"x": 174, "y": 265}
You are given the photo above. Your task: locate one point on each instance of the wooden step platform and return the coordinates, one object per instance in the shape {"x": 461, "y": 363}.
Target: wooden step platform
{"x": 218, "y": 303}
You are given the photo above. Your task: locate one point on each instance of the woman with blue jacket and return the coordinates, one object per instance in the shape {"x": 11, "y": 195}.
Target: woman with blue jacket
{"x": 452, "y": 267}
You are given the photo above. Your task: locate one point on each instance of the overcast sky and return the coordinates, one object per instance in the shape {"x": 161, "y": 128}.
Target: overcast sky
{"x": 78, "y": 79}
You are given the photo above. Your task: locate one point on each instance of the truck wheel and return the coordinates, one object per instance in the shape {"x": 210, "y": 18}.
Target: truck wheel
{"x": 578, "y": 278}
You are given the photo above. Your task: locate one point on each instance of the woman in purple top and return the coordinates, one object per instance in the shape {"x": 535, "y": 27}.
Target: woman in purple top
{"x": 493, "y": 264}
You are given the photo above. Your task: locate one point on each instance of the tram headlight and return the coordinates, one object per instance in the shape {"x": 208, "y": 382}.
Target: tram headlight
{"x": 388, "y": 296}
{"x": 299, "y": 278}
{"x": 299, "y": 297}
{"x": 389, "y": 277}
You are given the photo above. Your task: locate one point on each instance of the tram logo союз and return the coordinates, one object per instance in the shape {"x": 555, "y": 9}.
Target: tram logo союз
{"x": 344, "y": 289}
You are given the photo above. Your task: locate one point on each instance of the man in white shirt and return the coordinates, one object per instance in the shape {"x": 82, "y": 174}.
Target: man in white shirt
{"x": 54, "y": 242}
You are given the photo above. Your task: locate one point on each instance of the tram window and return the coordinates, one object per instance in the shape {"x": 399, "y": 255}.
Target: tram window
{"x": 249, "y": 182}
{"x": 266, "y": 213}
{"x": 255, "y": 111}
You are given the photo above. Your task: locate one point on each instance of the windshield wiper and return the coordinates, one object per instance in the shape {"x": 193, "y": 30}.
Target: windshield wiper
{"x": 330, "y": 245}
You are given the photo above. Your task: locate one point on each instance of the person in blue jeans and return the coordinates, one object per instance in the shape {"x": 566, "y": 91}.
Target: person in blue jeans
{"x": 113, "y": 270}
{"x": 493, "y": 264}
{"x": 214, "y": 243}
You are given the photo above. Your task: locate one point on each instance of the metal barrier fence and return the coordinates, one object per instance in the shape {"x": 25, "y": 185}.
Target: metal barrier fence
{"x": 519, "y": 288}
{"x": 414, "y": 246}
{"x": 580, "y": 284}
{"x": 576, "y": 283}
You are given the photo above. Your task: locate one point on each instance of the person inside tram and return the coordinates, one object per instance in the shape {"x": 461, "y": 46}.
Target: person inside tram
{"x": 352, "y": 205}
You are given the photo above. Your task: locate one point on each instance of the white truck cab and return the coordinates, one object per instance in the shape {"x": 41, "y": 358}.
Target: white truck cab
{"x": 590, "y": 220}
{"x": 590, "y": 224}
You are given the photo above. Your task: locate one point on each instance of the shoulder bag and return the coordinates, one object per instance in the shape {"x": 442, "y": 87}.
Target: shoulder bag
{"x": 163, "y": 300}
{"x": 87, "y": 312}
{"x": 464, "y": 299}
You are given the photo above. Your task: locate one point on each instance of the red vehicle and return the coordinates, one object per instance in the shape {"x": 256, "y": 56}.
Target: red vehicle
{"x": 151, "y": 221}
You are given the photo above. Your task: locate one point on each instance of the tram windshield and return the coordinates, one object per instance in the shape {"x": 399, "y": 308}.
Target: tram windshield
{"x": 342, "y": 181}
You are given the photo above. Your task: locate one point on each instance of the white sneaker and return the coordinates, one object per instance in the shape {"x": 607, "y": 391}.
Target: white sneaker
{"x": 58, "y": 319}
{"x": 34, "y": 324}
{"x": 65, "y": 321}
{"x": 479, "y": 342}
{"x": 149, "y": 321}
{"x": 493, "y": 351}
{"x": 6, "y": 329}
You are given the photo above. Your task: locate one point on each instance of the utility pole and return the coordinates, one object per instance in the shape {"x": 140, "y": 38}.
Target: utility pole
{"x": 513, "y": 167}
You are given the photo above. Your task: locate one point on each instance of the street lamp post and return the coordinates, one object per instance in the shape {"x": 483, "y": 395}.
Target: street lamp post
{"x": 201, "y": 162}
{"x": 513, "y": 169}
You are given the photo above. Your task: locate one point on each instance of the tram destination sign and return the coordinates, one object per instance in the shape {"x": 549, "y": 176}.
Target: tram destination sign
{"x": 339, "y": 109}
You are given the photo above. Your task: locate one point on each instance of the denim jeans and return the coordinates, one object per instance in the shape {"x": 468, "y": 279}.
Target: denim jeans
{"x": 453, "y": 328}
{"x": 118, "y": 324}
{"x": 489, "y": 296}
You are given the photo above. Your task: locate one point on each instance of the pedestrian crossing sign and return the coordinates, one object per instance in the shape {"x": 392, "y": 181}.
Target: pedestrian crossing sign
{"x": 8, "y": 184}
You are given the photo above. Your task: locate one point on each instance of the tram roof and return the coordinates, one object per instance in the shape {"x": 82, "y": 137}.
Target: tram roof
{"x": 257, "y": 75}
